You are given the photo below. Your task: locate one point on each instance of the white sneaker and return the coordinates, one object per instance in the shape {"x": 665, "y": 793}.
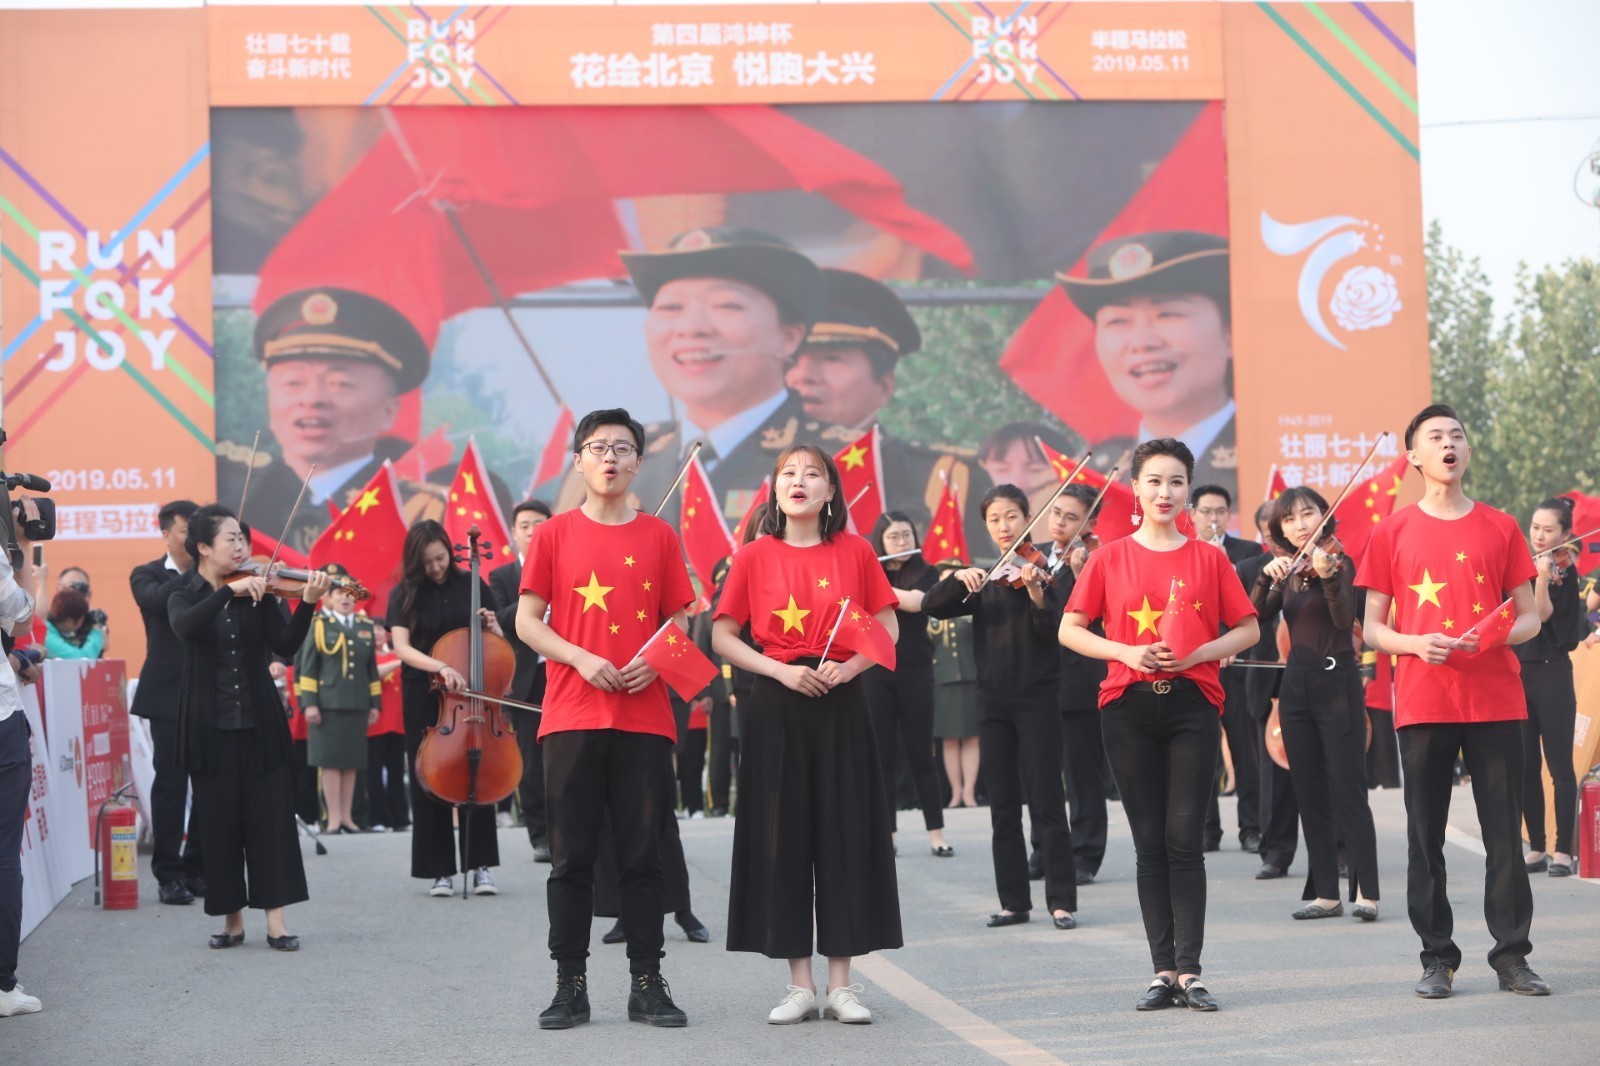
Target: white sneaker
{"x": 504, "y": 820}
{"x": 17, "y": 1002}
{"x": 482, "y": 883}
{"x": 378, "y": 828}
{"x": 843, "y": 1005}
{"x": 798, "y": 1006}
{"x": 444, "y": 886}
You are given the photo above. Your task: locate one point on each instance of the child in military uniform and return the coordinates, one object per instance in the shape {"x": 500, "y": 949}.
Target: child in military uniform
{"x": 340, "y": 691}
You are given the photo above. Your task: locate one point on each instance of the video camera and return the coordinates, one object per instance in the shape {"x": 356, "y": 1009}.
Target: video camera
{"x": 35, "y": 529}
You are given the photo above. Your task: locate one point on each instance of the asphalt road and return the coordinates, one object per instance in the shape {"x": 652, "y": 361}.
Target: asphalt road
{"x": 389, "y": 975}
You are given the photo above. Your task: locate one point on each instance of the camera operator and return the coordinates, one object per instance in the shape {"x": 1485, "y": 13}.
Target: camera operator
{"x": 16, "y": 771}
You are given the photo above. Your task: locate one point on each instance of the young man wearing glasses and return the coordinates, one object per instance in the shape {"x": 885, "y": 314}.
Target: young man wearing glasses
{"x": 609, "y": 576}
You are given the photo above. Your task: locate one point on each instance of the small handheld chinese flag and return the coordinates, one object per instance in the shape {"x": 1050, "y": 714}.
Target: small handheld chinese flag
{"x": 1181, "y": 626}
{"x": 861, "y": 468}
{"x": 472, "y": 503}
{"x": 681, "y": 664}
{"x": 369, "y": 537}
{"x": 859, "y": 632}
{"x": 947, "y": 536}
{"x": 1494, "y": 628}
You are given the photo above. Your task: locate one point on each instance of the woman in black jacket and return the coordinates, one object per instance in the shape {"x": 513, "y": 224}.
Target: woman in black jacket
{"x": 233, "y": 737}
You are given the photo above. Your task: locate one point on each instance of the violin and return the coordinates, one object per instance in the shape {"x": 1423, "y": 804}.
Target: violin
{"x": 1562, "y": 561}
{"x": 287, "y": 582}
{"x": 470, "y": 757}
{"x": 1011, "y": 573}
{"x": 1087, "y": 541}
{"x": 1330, "y": 547}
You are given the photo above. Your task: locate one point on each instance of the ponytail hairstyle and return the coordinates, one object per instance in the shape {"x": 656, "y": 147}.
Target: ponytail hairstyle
{"x": 1562, "y": 507}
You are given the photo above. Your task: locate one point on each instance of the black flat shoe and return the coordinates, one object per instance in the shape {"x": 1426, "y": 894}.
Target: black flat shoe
{"x": 1560, "y": 869}
{"x": 997, "y": 919}
{"x": 1367, "y": 912}
{"x": 1311, "y": 911}
{"x": 614, "y": 935}
{"x": 283, "y": 943}
{"x": 1084, "y": 877}
{"x": 1269, "y": 872}
{"x": 225, "y": 940}
{"x": 1197, "y": 997}
{"x": 1066, "y": 922}
{"x": 1159, "y": 996}
{"x": 943, "y": 851}
{"x": 1538, "y": 867}
{"x": 693, "y": 928}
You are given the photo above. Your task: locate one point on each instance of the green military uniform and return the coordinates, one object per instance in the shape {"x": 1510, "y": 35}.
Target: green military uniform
{"x": 336, "y": 671}
{"x": 955, "y": 678}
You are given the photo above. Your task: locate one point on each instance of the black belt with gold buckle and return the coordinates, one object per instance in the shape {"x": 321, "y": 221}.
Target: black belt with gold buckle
{"x": 1163, "y": 686}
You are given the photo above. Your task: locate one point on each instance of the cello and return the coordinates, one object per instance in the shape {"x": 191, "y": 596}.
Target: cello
{"x": 470, "y": 757}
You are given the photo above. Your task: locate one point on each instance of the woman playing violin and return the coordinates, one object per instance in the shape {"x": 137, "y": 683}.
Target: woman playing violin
{"x": 232, "y": 734}
{"x": 1322, "y": 711}
{"x": 434, "y": 597}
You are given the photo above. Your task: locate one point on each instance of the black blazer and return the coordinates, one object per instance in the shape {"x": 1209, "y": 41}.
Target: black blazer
{"x": 266, "y": 630}
{"x": 156, "y": 695}
{"x": 1240, "y": 550}
{"x": 505, "y": 581}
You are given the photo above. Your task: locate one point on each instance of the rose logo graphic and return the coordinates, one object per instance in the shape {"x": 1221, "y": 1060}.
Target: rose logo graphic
{"x": 1366, "y": 297}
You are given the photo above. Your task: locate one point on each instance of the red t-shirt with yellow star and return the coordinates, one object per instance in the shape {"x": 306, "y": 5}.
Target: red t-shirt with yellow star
{"x": 1444, "y": 575}
{"x": 791, "y": 596}
{"x": 609, "y": 589}
{"x": 1127, "y": 586}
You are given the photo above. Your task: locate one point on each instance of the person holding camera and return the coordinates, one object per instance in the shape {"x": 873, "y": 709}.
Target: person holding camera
{"x": 16, "y": 770}
{"x": 69, "y": 632}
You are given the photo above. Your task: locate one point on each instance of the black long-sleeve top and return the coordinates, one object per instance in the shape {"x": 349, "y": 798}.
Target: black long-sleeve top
{"x": 260, "y": 632}
{"x": 1014, "y": 641}
{"x": 1565, "y": 630}
{"x": 1081, "y": 676}
{"x": 914, "y": 645}
{"x": 1320, "y": 613}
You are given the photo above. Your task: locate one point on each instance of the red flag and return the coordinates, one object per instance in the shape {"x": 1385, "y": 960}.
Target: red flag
{"x": 861, "y": 477}
{"x": 1585, "y": 517}
{"x": 705, "y": 537}
{"x": 762, "y": 495}
{"x": 858, "y": 631}
{"x": 1052, "y": 356}
{"x": 1181, "y": 626}
{"x": 1119, "y": 508}
{"x": 472, "y": 503}
{"x": 1369, "y": 502}
{"x": 425, "y": 456}
{"x": 1276, "y": 486}
{"x": 947, "y": 536}
{"x": 369, "y": 537}
{"x": 265, "y": 547}
{"x": 681, "y": 664}
{"x": 553, "y": 460}
{"x": 1494, "y": 628}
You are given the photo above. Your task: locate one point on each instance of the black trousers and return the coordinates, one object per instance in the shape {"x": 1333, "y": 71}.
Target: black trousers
{"x": 674, "y": 868}
{"x": 1492, "y": 753}
{"x": 173, "y": 858}
{"x": 1163, "y": 749}
{"x": 303, "y": 785}
{"x": 1383, "y": 755}
{"x": 386, "y": 781}
{"x": 691, "y": 760}
{"x": 435, "y": 849}
{"x": 1020, "y": 737}
{"x": 16, "y": 778}
{"x": 1280, "y": 813}
{"x": 1239, "y": 726}
{"x": 724, "y": 756}
{"x": 1324, "y": 719}
{"x": 811, "y": 843}
{"x": 902, "y": 713}
{"x": 1552, "y": 713}
{"x": 1083, "y": 751}
{"x": 252, "y": 847}
{"x": 590, "y": 774}
{"x": 530, "y": 792}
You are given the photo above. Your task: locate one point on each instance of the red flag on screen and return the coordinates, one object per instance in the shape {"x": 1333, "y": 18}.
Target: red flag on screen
{"x": 425, "y": 456}
{"x": 1276, "y": 486}
{"x": 553, "y": 460}
{"x": 1585, "y": 519}
{"x": 264, "y": 546}
{"x": 681, "y": 664}
{"x": 1119, "y": 508}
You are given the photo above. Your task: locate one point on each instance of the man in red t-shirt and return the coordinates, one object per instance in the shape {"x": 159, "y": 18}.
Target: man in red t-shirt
{"x": 610, "y": 577}
{"x": 1445, "y": 564}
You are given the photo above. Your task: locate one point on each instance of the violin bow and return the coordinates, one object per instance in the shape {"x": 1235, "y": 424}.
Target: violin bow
{"x": 1316, "y": 533}
{"x": 1022, "y": 538}
{"x": 857, "y": 497}
{"x": 900, "y": 555}
{"x": 290, "y": 523}
{"x": 249, "y": 469}
{"x": 683, "y": 470}
{"x": 1089, "y": 514}
{"x": 505, "y": 700}
{"x": 1575, "y": 543}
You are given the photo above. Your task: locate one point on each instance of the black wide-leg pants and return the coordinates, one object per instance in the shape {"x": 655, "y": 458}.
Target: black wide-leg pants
{"x": 247, "y": 830}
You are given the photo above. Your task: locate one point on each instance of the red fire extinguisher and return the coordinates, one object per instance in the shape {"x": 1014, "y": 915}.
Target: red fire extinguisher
{"x": 1589, "y": 825}
{"x": 117, "y": 868}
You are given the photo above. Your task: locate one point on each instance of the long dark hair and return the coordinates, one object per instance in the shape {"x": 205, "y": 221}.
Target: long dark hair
{"x": 911, "y": 564}
{"x": 1285, "y": 505}
{"x": 835, "y": 517}
{"x": 414, "y": 573}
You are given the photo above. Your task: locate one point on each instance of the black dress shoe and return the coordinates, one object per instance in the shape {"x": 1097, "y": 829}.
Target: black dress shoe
{"x": 1523, "y": 981}
{"x": 283, "y": 943}
{"x": 1250, "y": 841}
{"x": 999, "y": 918}
{"x": 614, "y": 935}
{"x": 1085, "y": 877}
{"x": 1312, "y": 910}
{"x": 1065, "y": 922}
{"x": 1560, "y": 869}
{"x": 571, "y": 1003}
{"x": 1435, "y": 983}
{"x": 1159, "y": 996}
{"x": 1197, "y": 996}
{"x": 1035, "y": 866}
{"x": 196, "y": 886}
{"x": 1268, "y": 872}
{"x": 717, "y": 812}
{"x": 693, "y": 927}
{"x": 943, "y": 851}
{"x": 1214, "y": 845}
{"x": 541, "y": 852}
{"x": 175, "y": 892}
{"x": 225, "y": 940}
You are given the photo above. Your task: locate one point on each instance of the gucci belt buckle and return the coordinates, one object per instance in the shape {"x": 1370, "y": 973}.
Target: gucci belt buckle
{"x": 1162, "y": 687}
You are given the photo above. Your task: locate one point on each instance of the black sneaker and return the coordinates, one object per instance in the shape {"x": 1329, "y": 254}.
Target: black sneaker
{"x": 649, "y": 1000}
{"x": 570, "y": 1006}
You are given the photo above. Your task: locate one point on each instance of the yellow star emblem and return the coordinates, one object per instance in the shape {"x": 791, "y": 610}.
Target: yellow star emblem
{"x": 1461, "y": 557}
{"x": 594, "y": 593}
{"x": 1198, "y": 605}
{"x": 369, "y": 499}
{"x": 793, "y": 616}
{"x": 468, "y": 483}
{"x": 344, "y": 534}
{"x": 615, "y": 629}
{"x": 822, "y": 582}
{"x": 1146, "y": 616}
{"x": 627, "y": 560}
{"x": 1505, "y": 613}
{"x": 639, "y": 615}
{"x": 647, "y": 586}
{"x": 854, "y": 458}
{"x": 672, "y": 638}
{"x": 855, "y": 616}
{"x": 1480, "y": 579}
{"x": 1428, "y": 589}
{"x": 843, "y": 601}
{"x": 1477, "y": 608}
{"x": 1449, "y": 623}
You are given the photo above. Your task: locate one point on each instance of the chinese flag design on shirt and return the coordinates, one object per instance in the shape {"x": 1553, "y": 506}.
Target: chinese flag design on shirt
{"x": 947, "y": 537}
{"x": 609, "y": 588}
{"x": 791, "y": 596}
{"x": 1369, "y": 503}
{"x": 861, "y": 478}
{"x": 472, "y": 503}
{"x": 369, "y": 537}
{"x": 1446, "y": 576}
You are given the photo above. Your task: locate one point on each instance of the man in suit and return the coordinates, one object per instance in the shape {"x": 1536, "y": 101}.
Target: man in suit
{"x": 1278, "y": 812}
{"x": 175, "y": 863}
{"x": 1213, "y": 512}
{"x": 527, "y": 683}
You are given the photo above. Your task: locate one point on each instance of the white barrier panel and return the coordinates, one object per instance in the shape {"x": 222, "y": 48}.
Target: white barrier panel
{"x": 42, "y": 886}
{"x": 69, "y": 839}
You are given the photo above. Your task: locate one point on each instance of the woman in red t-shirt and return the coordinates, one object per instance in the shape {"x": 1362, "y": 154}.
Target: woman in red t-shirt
{"x": 812, "y": 803}
{"x": 1161, "y": 701}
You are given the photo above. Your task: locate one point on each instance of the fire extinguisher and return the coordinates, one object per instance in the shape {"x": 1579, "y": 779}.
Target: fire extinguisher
{"x": 1589, "y": 825}
{"x": 116, "y": 860}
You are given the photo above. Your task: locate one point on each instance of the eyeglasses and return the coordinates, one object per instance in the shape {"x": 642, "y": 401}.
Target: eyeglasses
{"x": 598, "y": 448}
{"x": 1211, "y": 512}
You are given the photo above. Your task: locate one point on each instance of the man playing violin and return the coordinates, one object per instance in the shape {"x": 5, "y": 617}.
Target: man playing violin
{"x": 609, "y": 577}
